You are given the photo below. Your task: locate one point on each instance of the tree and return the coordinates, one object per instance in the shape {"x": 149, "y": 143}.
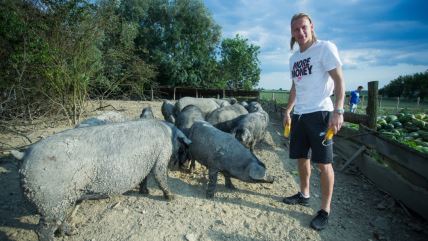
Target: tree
{"x": 23, "y": 54}
{"x": 180, "y": 38}
{"x": 74, "y": 59}
{"x": 239, "y": 64}
{"x": 123, "y": 69}
{"x": 409, "y": 86}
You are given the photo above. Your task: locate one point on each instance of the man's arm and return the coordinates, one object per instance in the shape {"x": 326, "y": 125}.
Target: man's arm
{"x": 339, "y": 92}
{"x": 290, "y": 105}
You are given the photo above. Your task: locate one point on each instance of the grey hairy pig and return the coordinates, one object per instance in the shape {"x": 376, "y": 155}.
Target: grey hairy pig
{"x": 99, "y": 161}
{"x": 226, "y": 113}
{"x": 147, "y": 113}
{"x": 184, "y": 122}
{"x": 251, "y": 128}
{"x": 221, "y": 152}
{"x": 206, "y": 105}
{"x": 254, "y": 106}
{"x": 105, "y": 118}
{"x": 187, "y": 117}
{"x": 167, "y": 110}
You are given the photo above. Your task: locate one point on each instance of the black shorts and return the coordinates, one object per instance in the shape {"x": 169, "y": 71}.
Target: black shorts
{"x": 306, "y": 136}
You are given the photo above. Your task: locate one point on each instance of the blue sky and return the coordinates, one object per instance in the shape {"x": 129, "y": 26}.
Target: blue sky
{"x": 377, "y": 39}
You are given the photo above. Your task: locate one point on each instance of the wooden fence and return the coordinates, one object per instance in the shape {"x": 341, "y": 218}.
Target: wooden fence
{"x": 167, "y": 92}
{"x": 393, "y": 167}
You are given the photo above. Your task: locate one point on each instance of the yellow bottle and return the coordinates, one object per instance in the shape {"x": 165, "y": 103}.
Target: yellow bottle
{"x": 287, "y": 129}
{"x": 329, "y": 135}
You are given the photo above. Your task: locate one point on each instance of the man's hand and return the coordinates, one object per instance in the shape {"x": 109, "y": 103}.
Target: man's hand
{"x": 336, "y": 122}
{"x": 287, "y": 119}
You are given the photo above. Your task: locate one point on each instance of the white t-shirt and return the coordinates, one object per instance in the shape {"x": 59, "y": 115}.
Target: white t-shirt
{"x": 309, "y": 72}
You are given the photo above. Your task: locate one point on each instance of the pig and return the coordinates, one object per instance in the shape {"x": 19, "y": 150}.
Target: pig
{"x": 167, "y": 110}
{"x": 104, "y": 118}
{"x": 254, "y": 106}
{"x": 226, "y": 113}
{"x": 221, "y": 152}
{"x": 147, "y": 113}
{"x": 184, "y": 122}
{"x": 206, "y": 105}
{"x": 187, "y": 117}
{"x": 251, "y": 128}
{"x": 98, "y": 160}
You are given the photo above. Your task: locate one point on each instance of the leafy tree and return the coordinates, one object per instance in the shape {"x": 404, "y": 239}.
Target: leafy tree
{"x": 239, "y": 64}
{"x": 23, "y": 53}
{"x": 180, "y": 38}
{"x": 74, "y": 57}
{"x": 409, "y": 86}
{"x": 123, "y": 67}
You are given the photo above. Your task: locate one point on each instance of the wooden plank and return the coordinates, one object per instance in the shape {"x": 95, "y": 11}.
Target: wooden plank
{"x": 413, "y": 196}
{"x": 405, "y": 156}
{"x": 355, "y": 118}
{"x": 344, "y": 147}
{"x": 354, "y": 156}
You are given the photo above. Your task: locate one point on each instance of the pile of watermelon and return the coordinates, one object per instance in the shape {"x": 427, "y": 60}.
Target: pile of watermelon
{"x": 409, "y": 129}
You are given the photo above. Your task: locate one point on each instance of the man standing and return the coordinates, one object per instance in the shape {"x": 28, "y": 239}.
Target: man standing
{"x": 316, "y": 72}
{"x": 354, "y": 100}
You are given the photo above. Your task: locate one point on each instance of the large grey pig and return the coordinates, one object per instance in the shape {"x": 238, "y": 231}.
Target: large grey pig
{"x": 97, "y": 160}
{"x": 206, "y": 105}
{"x": 226, "y": 113}
{"x": 221, "y": 152}
{"x": 104, "y": 118}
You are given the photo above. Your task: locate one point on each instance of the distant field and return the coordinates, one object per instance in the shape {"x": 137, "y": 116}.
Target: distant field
{"x": 281, "y": 97}
{"x": 387, "y": 105}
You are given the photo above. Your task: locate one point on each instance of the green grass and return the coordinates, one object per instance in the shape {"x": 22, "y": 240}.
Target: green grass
{"x": 281, "y": 97}
{"x": 387, "y": 105}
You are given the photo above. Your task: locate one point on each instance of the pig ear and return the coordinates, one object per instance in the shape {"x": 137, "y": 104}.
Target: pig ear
{"x": 183, "y": 138}
{"x": 257, "y": 172}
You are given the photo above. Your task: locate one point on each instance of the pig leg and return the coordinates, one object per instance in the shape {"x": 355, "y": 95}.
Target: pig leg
{"x": 161, "y": 177}
{"x": 212, "y": 175}
{"x": 228, "y": 182}
{"x": 46, "y": 229}
{"x": 143, "y": 186}
{"x": 67, "y": 227}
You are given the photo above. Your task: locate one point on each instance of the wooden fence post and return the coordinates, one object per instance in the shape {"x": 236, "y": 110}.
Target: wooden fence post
{"x": 196, "y": 93}
{"x": 151, "y": 93}
{"x": 224, "y": 93}
{"x": 174, "y": 92}
{"x": 371, "y": 109}
{"x": 398, "y": 102}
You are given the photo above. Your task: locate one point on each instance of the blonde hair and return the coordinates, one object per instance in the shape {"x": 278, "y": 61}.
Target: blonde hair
{"x": 298, "y": 16}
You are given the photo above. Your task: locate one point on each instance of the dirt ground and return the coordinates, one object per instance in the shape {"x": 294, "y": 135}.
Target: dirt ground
{"x": 253, "y": 212}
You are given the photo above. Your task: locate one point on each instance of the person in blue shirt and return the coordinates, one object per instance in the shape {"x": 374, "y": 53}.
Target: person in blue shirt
{"x": 355, "y": 99}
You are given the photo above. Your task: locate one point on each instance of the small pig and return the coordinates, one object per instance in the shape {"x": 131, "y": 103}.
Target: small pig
{"x": 221, "y": 152}
{"x": 147, "y": 113}
{"x": 168, "y": 111}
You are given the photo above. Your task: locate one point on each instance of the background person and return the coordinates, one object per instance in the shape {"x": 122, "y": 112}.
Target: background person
{"x": 354, "y": 99}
